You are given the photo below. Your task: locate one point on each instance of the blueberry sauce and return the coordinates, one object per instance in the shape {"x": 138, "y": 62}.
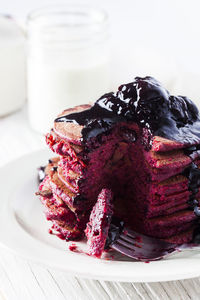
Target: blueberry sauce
{"x": 54, "y": 169}
{"x": 157, "y": 113}
{"x": 99, "y": 118}
{"x": 147, "y": 103}
{"x": 128, "y": 135}
{"x": 41, "y": 174}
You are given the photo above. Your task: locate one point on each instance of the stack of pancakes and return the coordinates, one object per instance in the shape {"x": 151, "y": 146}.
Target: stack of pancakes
{"x": 150, "y": 191}
{"x": 57, "y": 193}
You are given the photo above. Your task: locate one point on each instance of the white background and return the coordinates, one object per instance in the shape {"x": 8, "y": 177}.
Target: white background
{"x": 157, "y": 37}
{"x": 161, "y": 38}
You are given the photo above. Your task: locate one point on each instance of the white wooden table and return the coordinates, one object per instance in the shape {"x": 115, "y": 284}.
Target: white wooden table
{"x": 24, "y": 280}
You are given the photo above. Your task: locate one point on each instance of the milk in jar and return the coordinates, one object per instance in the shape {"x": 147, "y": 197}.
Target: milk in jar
{"x": 68, "y": 61}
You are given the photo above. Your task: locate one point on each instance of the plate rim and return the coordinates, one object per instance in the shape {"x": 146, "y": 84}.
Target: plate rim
{"x": 98, "y": 274}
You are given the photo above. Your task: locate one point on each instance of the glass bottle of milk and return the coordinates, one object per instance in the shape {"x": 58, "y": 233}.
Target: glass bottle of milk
{"x": 68, "y": 60}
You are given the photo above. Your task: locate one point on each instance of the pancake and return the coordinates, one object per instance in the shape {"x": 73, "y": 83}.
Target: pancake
{"x": 67, "y": 223}
{"x": 99, "y": 223}
{"x": 141, "y": 143}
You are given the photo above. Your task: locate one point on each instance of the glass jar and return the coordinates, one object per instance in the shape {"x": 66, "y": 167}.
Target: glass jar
{"x": 68, "y": 60}
{"x": 13, "y": 66}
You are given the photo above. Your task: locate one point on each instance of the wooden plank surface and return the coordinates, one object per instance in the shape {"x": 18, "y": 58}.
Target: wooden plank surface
{"x": 22, "y": 280}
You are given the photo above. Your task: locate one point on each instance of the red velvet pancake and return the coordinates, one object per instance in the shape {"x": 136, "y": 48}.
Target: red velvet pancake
{"x": 68, "y": 222}
{"x": 99, "y": 223}
{"x": 141, "y": 143}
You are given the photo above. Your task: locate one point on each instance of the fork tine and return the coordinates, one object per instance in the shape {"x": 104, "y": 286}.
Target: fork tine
{"x": 120, "y": 248}
{"x": 135, "y": 254}
{"x": 138, "y": 248}
{"x": 135, "y": 235}
{"x": 137, "y": 245}
{"x": 131, "y": 233}
{"x": 127, "y": 244}
{"x": 147, "y": 240}
{"x": 140, "y": 253}
{"x": 132, "y": 242}
{"x": 128, "y": 238}
{"x": 141, "y": 247}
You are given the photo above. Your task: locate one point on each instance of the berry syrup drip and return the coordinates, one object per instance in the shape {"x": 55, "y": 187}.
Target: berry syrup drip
{"x": 100, "y": 118}
{"x": 193, "y": 174}
{"x": 41, "y": 174}
{"x": 146, "y": 102}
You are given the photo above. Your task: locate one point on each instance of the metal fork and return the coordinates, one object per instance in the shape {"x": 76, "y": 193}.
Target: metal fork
{"x": 140, "y": 246}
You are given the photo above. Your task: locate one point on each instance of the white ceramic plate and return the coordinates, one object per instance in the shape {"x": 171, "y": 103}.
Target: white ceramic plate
{"x": 24, "y": 230}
